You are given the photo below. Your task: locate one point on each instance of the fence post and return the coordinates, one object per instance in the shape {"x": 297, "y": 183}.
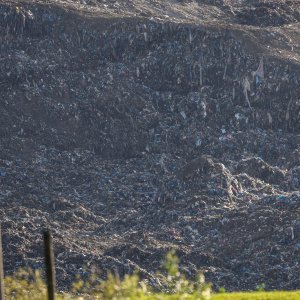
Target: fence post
{"x": 50, "y": 268}
{"x": 1, "y": 269}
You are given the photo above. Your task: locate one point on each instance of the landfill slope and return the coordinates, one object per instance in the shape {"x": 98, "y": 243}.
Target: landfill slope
{"x": 130, "y": 128}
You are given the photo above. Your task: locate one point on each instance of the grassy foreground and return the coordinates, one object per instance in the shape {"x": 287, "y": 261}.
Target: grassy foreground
{"x": 21, "y": 287}
{"x": 29, "y": 285}
{"x": 295, "y": 295}
{"x": 258, "y": 296}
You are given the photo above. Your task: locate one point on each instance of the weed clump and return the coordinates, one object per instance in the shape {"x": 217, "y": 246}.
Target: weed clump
{"x": 29, "y": 284}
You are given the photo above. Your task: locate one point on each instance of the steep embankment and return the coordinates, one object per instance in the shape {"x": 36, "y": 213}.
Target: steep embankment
{"x": 133, "y": 127}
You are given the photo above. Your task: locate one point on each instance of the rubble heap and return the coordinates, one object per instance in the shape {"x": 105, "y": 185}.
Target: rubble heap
{"x": 133, "y": 127}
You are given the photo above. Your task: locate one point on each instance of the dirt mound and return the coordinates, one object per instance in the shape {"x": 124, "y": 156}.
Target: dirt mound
{"x": 134, "y": 127}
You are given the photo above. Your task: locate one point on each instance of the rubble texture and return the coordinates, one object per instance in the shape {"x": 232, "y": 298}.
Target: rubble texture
{"x": 133, "y": 127}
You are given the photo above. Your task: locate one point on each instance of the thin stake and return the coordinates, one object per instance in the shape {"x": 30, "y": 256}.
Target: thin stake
{"x": 1, "y": 269}
{"x": 50, "y": 268}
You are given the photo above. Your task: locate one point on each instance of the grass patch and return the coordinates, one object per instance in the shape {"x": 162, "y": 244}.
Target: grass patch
{"x": 29, "y": 285}
{"x": 278, "y": 295}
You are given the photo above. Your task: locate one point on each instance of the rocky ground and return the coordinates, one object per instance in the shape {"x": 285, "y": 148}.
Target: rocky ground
{"x": 133, "y": 127}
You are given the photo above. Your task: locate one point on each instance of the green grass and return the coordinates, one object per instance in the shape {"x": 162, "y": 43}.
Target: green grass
{"x": 280, "y": 295}
{"x": 234, "y": 296}
{"x": 29, "y": 285}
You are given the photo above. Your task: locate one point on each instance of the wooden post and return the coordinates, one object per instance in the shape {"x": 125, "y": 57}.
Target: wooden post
{"x": 50, "y": 268}
{"x": 1, "y": 269}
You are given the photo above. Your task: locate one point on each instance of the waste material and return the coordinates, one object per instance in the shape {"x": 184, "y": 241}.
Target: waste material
{"x": 133, "y": 127}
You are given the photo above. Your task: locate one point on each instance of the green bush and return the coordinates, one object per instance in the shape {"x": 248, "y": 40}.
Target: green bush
{"x": 174, "y": 285}
{"x": 28, "y": 284}
{"x": 25, "y": 284}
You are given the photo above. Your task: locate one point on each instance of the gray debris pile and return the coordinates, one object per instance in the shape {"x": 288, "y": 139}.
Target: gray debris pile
{"x": 130, "y": 136}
